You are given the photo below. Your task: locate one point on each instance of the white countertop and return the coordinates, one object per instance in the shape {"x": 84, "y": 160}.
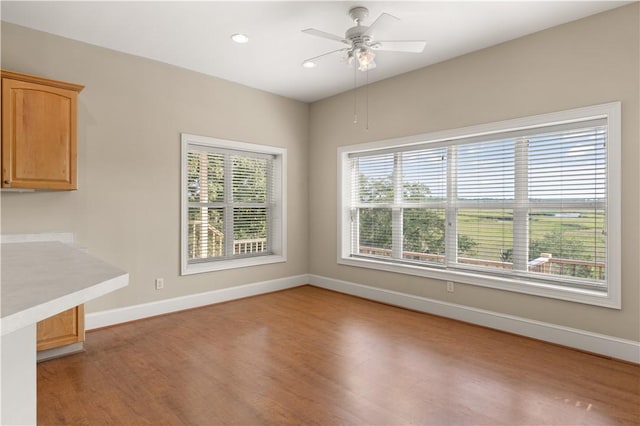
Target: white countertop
{"x": 41, "y": 279}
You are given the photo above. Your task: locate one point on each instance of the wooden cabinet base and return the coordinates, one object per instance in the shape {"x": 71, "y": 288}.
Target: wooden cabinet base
{"x": 63, "y": 329}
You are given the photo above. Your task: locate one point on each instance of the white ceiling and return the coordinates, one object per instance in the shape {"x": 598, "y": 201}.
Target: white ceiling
{"x": 196, "y": 35}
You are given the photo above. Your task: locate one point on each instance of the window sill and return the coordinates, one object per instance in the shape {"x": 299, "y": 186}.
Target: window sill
{"x": 198, "y": 268}
{"x": 584, "y": 296}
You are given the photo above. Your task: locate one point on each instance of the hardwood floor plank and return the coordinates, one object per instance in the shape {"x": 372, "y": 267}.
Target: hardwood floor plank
{"x": 312, "y": 356}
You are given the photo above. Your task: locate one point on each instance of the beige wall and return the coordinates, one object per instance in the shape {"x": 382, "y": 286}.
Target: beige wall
{"x": 131, "y": 114}
{"x": 591, "y": 61}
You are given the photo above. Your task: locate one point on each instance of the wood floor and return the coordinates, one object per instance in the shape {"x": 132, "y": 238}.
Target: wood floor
{"x": 311, "y": 356}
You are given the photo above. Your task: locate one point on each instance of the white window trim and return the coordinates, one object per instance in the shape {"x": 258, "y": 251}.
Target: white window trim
{"x": 612, "y": 299}
{"x": 279, "y": 238}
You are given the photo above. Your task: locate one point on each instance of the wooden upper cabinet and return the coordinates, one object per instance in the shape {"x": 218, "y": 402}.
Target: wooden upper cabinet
{"x": 39, "y": 132}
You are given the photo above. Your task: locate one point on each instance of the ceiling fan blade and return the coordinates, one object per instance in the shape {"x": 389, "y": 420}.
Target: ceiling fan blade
{"x": 322, "y": 34}
{"x": 412, "y": 46}
{"x": 381, "y": 21}
{"x": 326, "y": 54}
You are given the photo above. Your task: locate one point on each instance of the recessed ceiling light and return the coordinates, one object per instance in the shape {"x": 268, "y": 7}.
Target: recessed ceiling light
{"x": 240, "y": 38}
{"x": 309, "y": 64}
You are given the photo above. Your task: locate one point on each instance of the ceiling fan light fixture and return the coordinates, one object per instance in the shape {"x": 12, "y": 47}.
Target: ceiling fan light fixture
{"x": 371, "y": 66}
{"x": 349, "y": 58}
{"x": 309, "y": 64}
{"x": 366, "y": 59}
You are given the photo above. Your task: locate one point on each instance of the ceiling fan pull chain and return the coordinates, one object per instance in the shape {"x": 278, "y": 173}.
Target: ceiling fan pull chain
{"x": 355, "y": 98}
{"x": 366, "y": 95}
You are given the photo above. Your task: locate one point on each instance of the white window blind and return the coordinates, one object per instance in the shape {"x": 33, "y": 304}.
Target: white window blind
{"x": 529, "y": 206}
{"x": 233, "y": 203}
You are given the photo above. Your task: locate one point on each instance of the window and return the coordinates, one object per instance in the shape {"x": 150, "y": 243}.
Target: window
{"x": 529, "y": 205}
{"x": 233, "y": 204}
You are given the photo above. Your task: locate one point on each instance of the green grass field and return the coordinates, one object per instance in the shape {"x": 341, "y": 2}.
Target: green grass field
{"x": 576, "y": 234}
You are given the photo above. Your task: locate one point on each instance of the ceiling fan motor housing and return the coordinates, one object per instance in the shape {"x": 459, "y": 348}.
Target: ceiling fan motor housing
{"x": 356, "y": 37}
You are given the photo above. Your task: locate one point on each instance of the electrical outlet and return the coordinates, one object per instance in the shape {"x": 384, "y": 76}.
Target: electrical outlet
{"x": 450, "y": 287}
{"x": 159, "y": 283}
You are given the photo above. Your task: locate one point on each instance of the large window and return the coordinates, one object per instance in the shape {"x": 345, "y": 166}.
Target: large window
{"x": 232, "y": 204}
{"x": 529, "y": 205}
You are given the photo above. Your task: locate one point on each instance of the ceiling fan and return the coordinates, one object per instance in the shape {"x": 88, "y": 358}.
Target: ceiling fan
{"x": 360, "y": 40}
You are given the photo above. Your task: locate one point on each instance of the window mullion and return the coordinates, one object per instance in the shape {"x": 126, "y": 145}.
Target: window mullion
{"x": 355, "y": 212}
{"x": 228, "y": 209}
{"x": 204, "y": 198}
{"x": 268, "y": 205}
{"x": 397, "y": 213}
{"x": 521, "y": 208}
{"x": 451, "y": 228}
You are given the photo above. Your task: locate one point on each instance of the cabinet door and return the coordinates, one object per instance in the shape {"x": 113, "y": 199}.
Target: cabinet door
{"x": 62, "y": 329}
{"x": 38, "y": 136}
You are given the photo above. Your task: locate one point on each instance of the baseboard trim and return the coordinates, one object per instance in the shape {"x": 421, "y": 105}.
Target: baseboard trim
{"x": 131, "y": 313}
{"x": 60, "y": 351}
{"x": 626, "y": 350}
